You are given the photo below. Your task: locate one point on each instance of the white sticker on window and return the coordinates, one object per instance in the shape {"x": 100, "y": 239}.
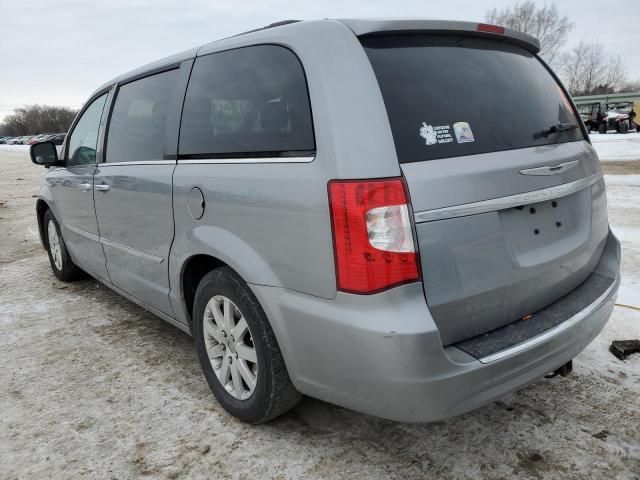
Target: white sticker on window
{"x": 436, "y": 134}
{"x": 428, "y": 133}
{"x": 463, "y": 132}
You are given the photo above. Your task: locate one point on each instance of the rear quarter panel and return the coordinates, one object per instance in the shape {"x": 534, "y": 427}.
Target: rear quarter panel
{"x": 270, "y": 223}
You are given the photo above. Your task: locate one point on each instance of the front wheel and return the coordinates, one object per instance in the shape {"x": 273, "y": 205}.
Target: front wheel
{"x": 61, "y": 264}
{"x": 238, "y": 351}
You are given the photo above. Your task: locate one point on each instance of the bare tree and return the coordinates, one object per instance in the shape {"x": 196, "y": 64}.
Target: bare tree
{"x": 543, "y": 22}
{"x": 573, "y": 66}
{"x": 615, "y": 72}
{"x": 33, "y": 119}
{"x": 587, "y": 69}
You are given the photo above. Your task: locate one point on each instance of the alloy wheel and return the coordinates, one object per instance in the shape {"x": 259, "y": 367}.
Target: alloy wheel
{"x": 54, "y": 244}
{"x": 230, "y": 347}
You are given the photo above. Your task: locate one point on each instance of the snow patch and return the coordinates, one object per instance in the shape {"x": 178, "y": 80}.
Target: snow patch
{"x": 625, "y": 180}
{"x": 14, "y": 148}
{"x": 616, "y": 147}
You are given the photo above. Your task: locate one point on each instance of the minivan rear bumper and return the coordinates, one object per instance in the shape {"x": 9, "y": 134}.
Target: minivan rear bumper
{"x": 382, "y": 354}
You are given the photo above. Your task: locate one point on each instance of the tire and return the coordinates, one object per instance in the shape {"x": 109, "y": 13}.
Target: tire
{"x": 258, "y": 391}
{"x": 602, "y": 128}
{"x": 63, "y": 267}
{"x": 624, "y": 127}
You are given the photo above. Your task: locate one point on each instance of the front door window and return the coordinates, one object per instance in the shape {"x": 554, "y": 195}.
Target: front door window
{"x": 83, "y": 141}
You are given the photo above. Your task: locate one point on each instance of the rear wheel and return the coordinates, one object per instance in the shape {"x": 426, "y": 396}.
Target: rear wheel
{"x": 624, "y": 127}
{"x": 61, "y": 264}
{"x": 238, "y": 350}
{"x": 602, "y": 128}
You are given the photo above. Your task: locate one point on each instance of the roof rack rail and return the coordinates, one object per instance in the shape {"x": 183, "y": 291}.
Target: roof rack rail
{"x": 282, "y": 22}
{"x": 271, "y": 25}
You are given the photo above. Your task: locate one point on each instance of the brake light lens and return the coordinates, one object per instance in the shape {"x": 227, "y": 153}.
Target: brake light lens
{"x": 372, "y": 235}
{"x": 485, "y": 27}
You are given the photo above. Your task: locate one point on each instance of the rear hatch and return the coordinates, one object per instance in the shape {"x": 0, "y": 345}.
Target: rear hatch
{"x": 507, "y": 193}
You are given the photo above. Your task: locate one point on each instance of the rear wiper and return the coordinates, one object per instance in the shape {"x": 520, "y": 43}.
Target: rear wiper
{"x": 560, "y": 127}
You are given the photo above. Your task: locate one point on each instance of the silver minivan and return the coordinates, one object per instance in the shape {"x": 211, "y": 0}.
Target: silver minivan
{"x": 402, "y": 217}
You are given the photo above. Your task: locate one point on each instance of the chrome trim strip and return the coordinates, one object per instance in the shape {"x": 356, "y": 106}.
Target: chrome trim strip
{"x": 124, "y": 248}
{"x": 250, "y": 160}
{"x": 132, "y": 251}
{"x": 88, "y": 235}
{"x": 141, "y": 162}
{"x": 550, "y": 169}
{"x": 510, "y": 201}
{"x": 570, "y": 322}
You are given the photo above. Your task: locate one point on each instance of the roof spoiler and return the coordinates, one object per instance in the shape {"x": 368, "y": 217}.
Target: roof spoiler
{"x": 363, "y": 28}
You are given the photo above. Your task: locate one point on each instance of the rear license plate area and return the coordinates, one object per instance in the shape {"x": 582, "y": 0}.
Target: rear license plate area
{"x": 546, "y": 230}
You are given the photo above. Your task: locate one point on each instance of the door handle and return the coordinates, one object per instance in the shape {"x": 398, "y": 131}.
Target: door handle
{"x": 102, "y": 188}
{"x": 85, "y": 187}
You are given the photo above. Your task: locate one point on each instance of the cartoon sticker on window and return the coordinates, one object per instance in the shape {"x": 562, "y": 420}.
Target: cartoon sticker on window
{"x": 429, "y": 134}
{"x": 463, "y": 132}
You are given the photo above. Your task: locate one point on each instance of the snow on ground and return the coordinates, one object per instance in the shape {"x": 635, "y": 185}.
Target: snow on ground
{"x": 616, "y": 147}
{"x": 15, "y": 148}
{"x": 623, "y": 195}
{"x": 21, "y": 148}
{"x": 632, "y": 180}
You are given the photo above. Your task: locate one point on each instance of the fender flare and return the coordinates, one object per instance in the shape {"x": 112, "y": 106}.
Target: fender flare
{"x": 222, "y": 246}
{"x": 43, "y": 203}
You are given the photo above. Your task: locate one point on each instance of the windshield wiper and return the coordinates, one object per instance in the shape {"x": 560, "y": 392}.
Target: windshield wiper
{"x": 560, "y": 127}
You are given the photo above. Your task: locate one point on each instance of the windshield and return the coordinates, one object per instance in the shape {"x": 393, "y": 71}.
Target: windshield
{"x": 448, "y": 96}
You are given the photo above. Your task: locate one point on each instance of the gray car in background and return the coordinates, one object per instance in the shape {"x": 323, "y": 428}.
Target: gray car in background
{"x": 402, "y": 217}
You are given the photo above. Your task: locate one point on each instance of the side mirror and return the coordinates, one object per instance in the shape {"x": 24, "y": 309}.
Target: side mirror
{"x": 44, "y": 153}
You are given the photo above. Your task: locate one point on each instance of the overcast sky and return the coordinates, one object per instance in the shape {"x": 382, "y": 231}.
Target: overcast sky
{"x": 58, "y": 52}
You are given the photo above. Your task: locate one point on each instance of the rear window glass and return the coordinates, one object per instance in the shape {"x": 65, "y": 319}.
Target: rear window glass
{"x": 251, "y": 101}
{"x": 448, "y": 96}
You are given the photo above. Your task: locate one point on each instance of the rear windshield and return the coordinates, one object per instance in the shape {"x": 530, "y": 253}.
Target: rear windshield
{"x": 448, "y": 96}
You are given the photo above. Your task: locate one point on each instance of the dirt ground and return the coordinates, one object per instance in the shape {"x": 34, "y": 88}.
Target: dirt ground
{"x": 92, "y": 386}
{"x": 624, "y": 167}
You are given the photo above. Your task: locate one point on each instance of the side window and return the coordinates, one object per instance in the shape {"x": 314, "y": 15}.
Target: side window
{"x": 83, "y": 141}
{"x": 137, "y": 125}
{"x": 248, "y": 101}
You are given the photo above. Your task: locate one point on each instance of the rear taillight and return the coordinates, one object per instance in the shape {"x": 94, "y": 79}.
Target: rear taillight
{"x": 485, "y": 27}
{"x": 372, "y": 235}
